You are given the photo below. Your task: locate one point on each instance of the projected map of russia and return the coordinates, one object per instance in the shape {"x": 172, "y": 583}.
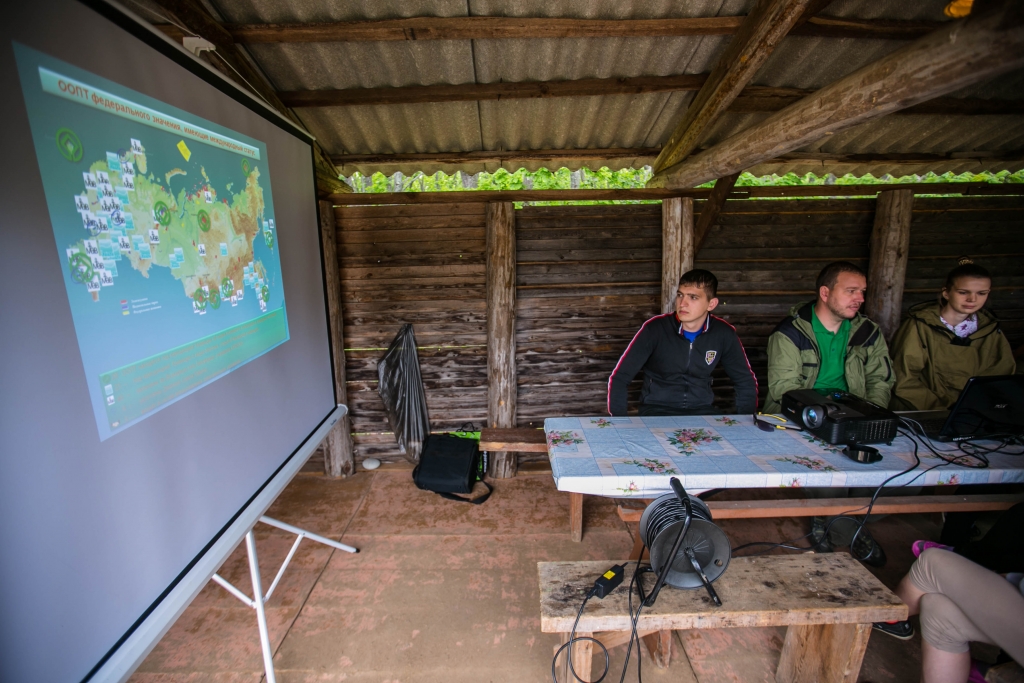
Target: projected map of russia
{"x": 165, "y": 224}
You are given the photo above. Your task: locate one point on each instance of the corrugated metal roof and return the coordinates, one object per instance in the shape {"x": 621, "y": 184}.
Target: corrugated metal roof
{"x": 612, "y": 121}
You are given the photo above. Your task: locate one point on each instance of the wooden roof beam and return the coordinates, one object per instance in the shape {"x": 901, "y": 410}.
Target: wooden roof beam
{"x": 709, "y": 214}
{"x": 194, "y": 16}
{"x": 751, "y": 99}
{"x": 372, "y": 198}
{"x": 984, "y": 45}
{"x": 824, "y": 159}
{"x": 761, "y": 32}
{"x": 498, "y": 28}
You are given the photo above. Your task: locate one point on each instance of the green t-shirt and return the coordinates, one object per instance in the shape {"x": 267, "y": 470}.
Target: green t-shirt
{"x": 832, "y": 345}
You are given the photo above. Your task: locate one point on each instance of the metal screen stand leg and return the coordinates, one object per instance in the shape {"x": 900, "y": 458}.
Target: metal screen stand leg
{"x": 259, "y": 600}
{"x": 261, "y": 611}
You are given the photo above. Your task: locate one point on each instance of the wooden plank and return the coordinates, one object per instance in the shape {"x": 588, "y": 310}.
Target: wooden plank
{"x": 497, "y": 28}
{"x": 657, "y": 193}
{"x": 828, "y": 653}
{"x": 713, "y": 207}
{"x": 886, "y": 505}
{"x": 887, "y": 269}
{"x": 962, "y": 53}
{"x": 778, "y": 590}
{"x": 501, "y": 338}
{"x": 761, "y": 31}
{"x": 513, "y": 439}
{"x": 338, "y": 457}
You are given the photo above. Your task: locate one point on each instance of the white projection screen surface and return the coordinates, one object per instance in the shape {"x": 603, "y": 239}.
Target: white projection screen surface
{"x": 163, "y": 333}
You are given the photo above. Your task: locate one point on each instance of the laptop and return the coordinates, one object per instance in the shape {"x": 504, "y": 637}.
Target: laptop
{"x": 988, "y": 407}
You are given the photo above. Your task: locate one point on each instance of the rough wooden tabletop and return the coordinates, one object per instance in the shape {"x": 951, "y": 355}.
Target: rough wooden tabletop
{"x": 775, "y": 590}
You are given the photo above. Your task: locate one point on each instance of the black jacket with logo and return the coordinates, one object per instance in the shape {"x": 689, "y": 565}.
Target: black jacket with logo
{"x": 677, "y": 373}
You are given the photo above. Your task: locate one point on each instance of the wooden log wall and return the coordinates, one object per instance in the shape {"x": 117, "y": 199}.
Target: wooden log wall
{"x": 424, "y": 265}
{"x": 587, "y": 277}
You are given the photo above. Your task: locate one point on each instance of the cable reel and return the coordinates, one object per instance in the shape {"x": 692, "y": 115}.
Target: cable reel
{"x": 679, "y": 526}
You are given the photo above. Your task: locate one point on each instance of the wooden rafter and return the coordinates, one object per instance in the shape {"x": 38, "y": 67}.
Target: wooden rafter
{"x": 709, "y": 214}
{"x": 954, "y": 57}
{"x": 230, "y": 61}
{"x": 762, "y": 30}
{"x": 364, "y": 199}
{"x": 751, "y": 98}
{"x": 496, "y": 28}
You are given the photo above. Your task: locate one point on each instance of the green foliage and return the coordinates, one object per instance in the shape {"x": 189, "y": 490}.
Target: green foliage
{"x": 628, "y": 178}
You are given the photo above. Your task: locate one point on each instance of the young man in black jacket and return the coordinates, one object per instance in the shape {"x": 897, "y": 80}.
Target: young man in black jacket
{"x": 678, "y": 352}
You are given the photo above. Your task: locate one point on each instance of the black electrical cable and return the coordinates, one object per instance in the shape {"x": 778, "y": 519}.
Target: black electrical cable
{"x": 573, "y": 639}
{"x": 634, "y": 620}
{"x": 844, "y": 515}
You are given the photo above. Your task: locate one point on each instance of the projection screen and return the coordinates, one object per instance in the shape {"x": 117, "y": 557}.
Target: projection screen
{"x": 166, "y": 358}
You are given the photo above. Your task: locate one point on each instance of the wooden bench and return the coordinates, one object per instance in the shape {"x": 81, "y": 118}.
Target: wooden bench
{"x": 827, "y": 601}
{"x": 631, "y": 511}
{"x": 515, "y": 439}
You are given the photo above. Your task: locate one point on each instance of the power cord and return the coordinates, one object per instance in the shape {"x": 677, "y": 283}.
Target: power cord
{"x": 573, "y": 639}
{"x": 956, "y": 460}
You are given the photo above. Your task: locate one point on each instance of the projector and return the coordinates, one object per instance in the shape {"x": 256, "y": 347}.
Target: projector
{"x": 839, "y": 417}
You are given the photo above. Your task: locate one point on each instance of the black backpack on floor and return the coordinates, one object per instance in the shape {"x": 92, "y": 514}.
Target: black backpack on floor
{"x": 449, "y": 465}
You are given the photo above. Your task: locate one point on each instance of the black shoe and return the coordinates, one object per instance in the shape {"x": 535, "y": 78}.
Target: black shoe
{"x": 867, "y": 550}
{"x": 819, "y": 540}
{"x": 903, "y": 630}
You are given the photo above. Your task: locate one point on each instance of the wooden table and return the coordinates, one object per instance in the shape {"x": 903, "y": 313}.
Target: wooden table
{"x": 634, "y": 457}
{"x": 827, "y": 601}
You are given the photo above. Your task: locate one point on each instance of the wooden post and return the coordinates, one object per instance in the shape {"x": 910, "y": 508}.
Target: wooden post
{"x": 339, "y": 460}
{"x": 501, "y": 329}
{"x": 671, "y": 250}
{"x": 988, "y": 43}
{"x": 887, "y": 267}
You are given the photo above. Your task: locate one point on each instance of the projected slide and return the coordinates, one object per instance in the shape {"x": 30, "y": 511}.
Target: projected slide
{"x": 164, "y": 225}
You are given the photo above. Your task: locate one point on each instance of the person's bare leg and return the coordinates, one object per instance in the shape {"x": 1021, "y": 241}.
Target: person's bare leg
{"x": 939, "y": 666}
{"x": 910, "y": 594}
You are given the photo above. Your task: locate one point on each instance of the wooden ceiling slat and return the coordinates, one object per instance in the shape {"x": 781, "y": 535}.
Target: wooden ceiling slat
{"x": 823, "y": 158}
{"x": 497, "y": 28}
{"x": 751, "y": 99}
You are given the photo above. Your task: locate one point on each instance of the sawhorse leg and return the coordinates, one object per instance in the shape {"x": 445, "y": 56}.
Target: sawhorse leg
{"x": 582, "y": 658}
{"x": 826, "y": 653}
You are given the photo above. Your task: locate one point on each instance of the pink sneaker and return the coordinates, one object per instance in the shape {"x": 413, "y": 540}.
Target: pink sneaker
{"x": 919, "y": 547}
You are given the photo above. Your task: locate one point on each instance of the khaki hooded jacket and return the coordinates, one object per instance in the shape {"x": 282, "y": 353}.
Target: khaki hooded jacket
{"x": 794, "y": 359}
{"x": 933, "y": 364}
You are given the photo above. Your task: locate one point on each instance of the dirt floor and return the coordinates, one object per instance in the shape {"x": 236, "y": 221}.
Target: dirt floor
{"x": 447, "y": 592}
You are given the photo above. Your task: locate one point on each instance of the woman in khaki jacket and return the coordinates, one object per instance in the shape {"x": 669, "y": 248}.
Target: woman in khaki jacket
{"x": 941, "y": 345}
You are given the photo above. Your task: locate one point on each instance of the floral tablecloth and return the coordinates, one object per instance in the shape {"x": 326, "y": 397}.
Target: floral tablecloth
{"x": 635, "y": 456}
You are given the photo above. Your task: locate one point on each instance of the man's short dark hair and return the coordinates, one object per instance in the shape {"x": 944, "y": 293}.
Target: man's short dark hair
{"x": 704, "y": 279}
{"x": 830, "y": 274}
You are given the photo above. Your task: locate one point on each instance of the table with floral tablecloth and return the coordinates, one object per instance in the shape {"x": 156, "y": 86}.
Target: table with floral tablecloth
{"x": 635, "y": 456}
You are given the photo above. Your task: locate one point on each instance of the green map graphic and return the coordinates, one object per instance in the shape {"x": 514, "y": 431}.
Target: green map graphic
{"x": 190, "y": 225}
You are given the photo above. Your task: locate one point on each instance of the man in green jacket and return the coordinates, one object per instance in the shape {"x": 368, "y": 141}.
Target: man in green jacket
{"x": 828, "y": 344}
